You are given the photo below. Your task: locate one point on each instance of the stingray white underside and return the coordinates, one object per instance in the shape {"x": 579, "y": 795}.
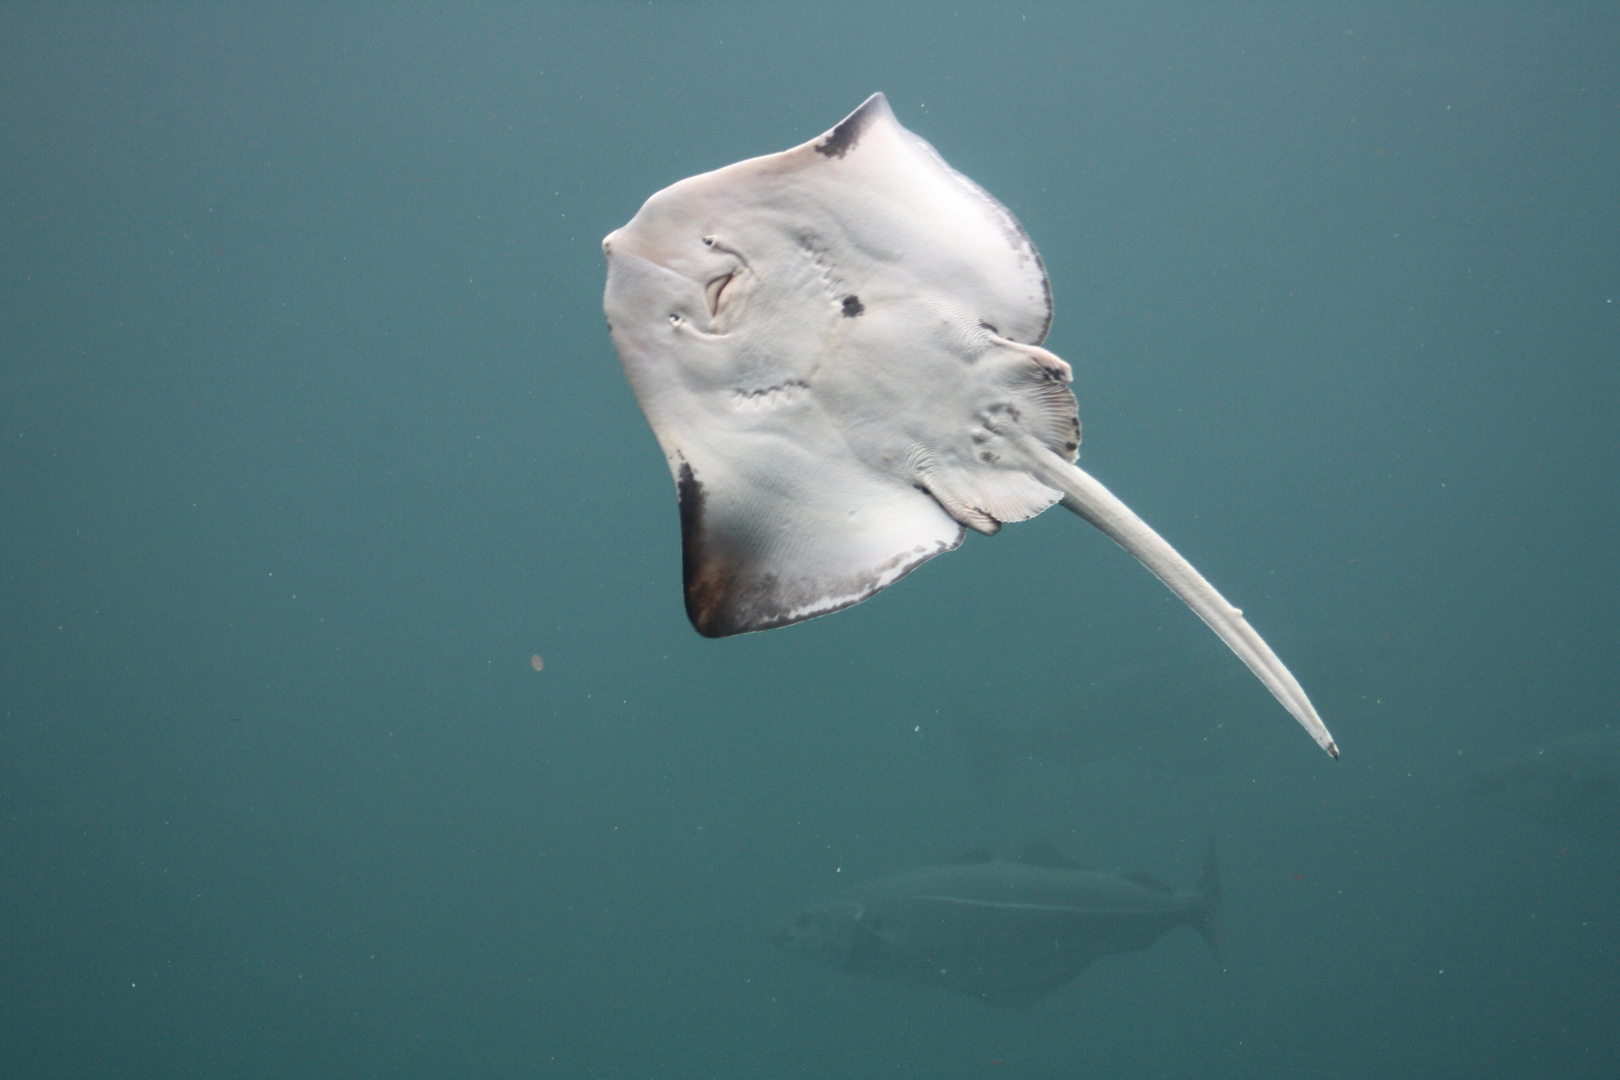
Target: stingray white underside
{"x": 838, "y": 348}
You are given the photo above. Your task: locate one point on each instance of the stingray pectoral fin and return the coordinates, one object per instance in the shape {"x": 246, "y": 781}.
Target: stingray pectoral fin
{"x": 1089, "y": 499}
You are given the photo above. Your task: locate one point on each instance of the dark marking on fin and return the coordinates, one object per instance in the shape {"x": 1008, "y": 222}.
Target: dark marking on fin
{"x": 853, "y": 306}
{"x": 705, "y": 584}
{"x": 842, "y": 139}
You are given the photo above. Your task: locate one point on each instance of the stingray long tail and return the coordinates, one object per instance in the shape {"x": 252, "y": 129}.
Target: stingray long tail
{"x": 1089, "y": 499}
{"x": 1208, "y": 920}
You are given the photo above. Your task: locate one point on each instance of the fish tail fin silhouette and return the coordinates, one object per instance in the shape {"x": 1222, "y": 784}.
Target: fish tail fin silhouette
{"x": 1207, "y": 919}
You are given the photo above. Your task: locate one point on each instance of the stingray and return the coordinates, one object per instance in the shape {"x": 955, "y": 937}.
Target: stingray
{"x": 838, "y": 348}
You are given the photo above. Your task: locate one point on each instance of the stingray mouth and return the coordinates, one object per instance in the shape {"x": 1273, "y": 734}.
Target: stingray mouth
{"x": 718, "y": 291}
{"x": 715, "y": 292}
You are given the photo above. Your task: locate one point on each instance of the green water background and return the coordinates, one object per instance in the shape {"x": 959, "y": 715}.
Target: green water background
{"x": 312, "y": 436}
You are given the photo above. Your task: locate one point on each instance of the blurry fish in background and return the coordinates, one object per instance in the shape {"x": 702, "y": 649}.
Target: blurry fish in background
{"x": 1572, "y": 784}
{"x": 1007, "y": 931}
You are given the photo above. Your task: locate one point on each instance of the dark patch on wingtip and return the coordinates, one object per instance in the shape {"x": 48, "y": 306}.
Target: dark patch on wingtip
{"x": 710, "y": 568}
{"x": 843, "y": 138}
{"x": 689, "y": 494}
{"x": 853, "y": 306}
{"x": 705, "y": 584}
